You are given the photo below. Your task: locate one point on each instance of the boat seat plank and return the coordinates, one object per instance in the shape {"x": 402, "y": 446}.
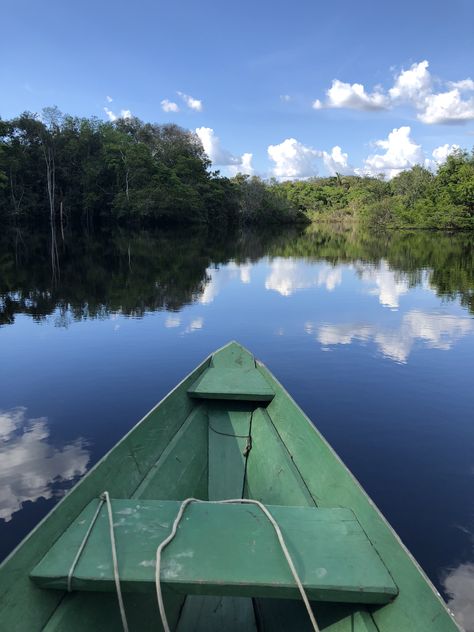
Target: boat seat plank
{"x": 227, "y": 431}
{"x": 222, "y": 550}
{"x": 229, "y": 427}
{"x": 246, "y": 384}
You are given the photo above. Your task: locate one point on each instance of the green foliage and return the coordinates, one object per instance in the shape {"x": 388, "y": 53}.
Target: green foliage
{"x": 123, "y": 172}
{"x": 71, "y": 172}
{"x": 415, "y": 198}
{"x": 261, "y": 203}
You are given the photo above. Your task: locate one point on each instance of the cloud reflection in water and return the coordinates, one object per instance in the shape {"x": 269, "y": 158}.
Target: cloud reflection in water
{"x": 459, "y": 586}
{"x": 288, "y": 275}
{"x": 218, "y": 278}
{"x": 389, "y": 285}
{"x": 31, "y": 468}
{"x": 436, "y": 331}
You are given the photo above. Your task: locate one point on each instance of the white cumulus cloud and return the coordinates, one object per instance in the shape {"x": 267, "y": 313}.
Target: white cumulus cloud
{"x": 222, "y": 157}
{"x": 191, "y": 102}
{"x": 401, "y": 152}
{"x": 413, "y": 87}
{"x": 109, "y": 99}
{"x": 293, "y": 159}
{"x": 337, "y": 161}
{"x": 447, "y": 107}
{"x": 169, "y": 106}
{"x": 124, "y": 114}
{"x": 110, "y": 114}
{"x": 412, "y": 84}
{"x": 441, "y": 153}
{"x": 243, "y": 166}
{"x": 354, "y": 96}
{"x": 466, "y": 85}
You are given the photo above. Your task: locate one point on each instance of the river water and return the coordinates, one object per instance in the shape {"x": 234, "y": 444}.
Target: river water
{"x": 372, "y": 334}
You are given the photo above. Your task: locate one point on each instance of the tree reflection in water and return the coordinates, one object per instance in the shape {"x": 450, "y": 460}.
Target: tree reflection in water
{"x": 134, "y": 273}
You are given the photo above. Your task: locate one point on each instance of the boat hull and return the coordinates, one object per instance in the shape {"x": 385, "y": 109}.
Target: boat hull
{"x": 179, "y": 450}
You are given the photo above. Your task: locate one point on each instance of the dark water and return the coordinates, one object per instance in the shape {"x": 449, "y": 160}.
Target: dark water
{"x": 372, "y": 334}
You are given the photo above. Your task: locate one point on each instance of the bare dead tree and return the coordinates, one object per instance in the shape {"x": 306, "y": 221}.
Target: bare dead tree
{"x": 48, "y": 154}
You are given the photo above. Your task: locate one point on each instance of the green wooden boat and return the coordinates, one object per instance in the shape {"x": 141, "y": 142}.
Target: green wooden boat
{"x": 228, "y": 431}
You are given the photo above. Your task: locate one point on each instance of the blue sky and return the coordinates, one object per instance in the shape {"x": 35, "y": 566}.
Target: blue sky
{"x": 255, "y": 71}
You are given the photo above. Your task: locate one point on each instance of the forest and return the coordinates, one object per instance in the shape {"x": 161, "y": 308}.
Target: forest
{"x": 415, "y": 198}
{"x": 69, "y": 173}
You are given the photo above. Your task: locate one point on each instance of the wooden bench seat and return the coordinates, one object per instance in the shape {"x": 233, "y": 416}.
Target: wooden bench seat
{"x": 246, "y": 384}
{"x": 222, "y": 550}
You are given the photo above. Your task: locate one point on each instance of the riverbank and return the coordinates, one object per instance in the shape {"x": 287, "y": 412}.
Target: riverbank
{"x": 417, "y": 198}
{"x": 69, "y": 173}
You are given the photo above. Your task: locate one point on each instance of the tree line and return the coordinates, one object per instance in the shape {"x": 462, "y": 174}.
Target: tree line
{"x": 417, "y": 197}
{"x": 66, "y": 172}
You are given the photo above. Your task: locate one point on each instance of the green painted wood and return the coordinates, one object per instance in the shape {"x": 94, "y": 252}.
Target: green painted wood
{"x": 226, "y": 451}
{"x": 82, "y": 612}
{"x": 233, "y": 356}
{"x": 24, "y": 607}
{"x": 216, "y": 614}
{"x": 282, "y": 615}
{"x": 418, "y": 607}
{"x": 226, "y": 480}
{"x": 271, "y": 475}
{"x": 237, "y": 384}
{"x": 182, "y": 469}
{"x": 222, "y": 549}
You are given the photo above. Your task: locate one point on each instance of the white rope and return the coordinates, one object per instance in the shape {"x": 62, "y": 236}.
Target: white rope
{"x": 83, "y": 544}
{"x": 273, "y": 522}
{"x": 105, "y": 496}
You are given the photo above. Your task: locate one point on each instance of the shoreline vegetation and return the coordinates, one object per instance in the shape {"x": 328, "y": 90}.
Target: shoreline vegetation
{"x": 70, "y": 173}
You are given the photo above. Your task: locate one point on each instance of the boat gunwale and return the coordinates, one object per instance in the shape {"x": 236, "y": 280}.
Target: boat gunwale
{"x": 356, "y": 482}
{"x": 203, "y": 365}
{"x": 270, "y": 377}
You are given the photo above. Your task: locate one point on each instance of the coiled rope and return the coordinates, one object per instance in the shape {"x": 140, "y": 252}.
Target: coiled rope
{"x": 104, "y": 497}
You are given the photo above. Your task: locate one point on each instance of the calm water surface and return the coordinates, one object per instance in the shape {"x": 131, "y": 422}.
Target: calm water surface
{"x": 373, "y": 335}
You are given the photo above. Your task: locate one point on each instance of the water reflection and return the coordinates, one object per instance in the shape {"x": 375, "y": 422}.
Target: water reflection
{"x": 135, "y": 273}
{"x": 459, "y": 587}
{"x": 30, "y": 467}
{"x": 288, "y": 275}
{"x": 288, "y": 295}
{"x": 390, "y": 285}
{"x": 219, "y": 277}
{"x": 436, "y": 331}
